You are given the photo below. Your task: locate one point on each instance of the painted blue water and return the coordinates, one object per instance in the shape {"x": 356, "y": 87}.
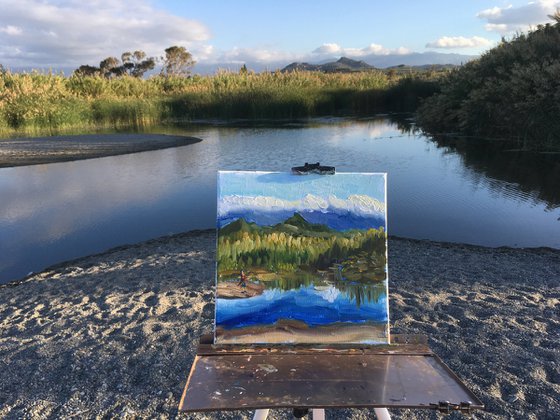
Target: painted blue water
{"x": 308, "y": 304}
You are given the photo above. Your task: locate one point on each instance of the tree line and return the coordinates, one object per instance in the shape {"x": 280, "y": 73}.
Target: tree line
{"x": 283, "y": 251}
{"x": 512, "y": 92}
{"x": 177, "y": 61}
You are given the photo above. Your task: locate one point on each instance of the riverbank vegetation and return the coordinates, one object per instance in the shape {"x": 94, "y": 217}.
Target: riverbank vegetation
{"x": 51, "y": 102}
{"x": 511, "y": 93}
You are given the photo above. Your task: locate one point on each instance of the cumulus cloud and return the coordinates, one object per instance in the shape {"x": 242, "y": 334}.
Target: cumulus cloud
{"x": 330, "y": 49}
{"x": 459, "y": 42}
{"x": 510, "y": 19}
{"x": 72, "y": 32}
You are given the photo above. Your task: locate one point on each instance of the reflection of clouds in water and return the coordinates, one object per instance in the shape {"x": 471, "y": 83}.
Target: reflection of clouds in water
{"x": 360, "y": 131}
{"x": 71, "y": 195}
{"x": 329, "y": 293}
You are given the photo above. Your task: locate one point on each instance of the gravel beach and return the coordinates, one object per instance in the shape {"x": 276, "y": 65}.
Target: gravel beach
{"x": 114, "y": 334}
{"x": 34, "y": 151}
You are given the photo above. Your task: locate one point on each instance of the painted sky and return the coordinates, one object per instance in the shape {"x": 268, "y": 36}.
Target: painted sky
{"x": 68, "y": 33}
{"x": 341, "y": 201}
{"x": 288, "y": 187}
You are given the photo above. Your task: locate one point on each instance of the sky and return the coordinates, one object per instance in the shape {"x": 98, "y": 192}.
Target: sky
{"x": 271, "y": 191}
{"x": 271, "y": 33}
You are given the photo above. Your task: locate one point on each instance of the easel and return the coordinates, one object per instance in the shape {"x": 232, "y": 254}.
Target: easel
{"x": 403, "y": 374}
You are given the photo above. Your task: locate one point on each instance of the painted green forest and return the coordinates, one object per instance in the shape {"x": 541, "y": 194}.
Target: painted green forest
{"x": 296, "y": 245}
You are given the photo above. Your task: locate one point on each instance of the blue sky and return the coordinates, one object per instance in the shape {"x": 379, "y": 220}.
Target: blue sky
{"x": 66, "y": 33}
{"x": 286, "y": 186}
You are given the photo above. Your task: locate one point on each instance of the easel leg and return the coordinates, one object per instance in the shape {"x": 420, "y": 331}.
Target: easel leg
{"x": 261, "y": 414}
{"x": 382, "y": 414}
{"x": 318, "y": 414}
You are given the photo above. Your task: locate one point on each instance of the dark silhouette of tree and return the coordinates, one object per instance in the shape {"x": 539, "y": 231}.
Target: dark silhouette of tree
{"x": 177, "y": 62}
{"x": 111, "y": 66}
{"x": 86, "y": 70}
{"x": 132, "y": 64}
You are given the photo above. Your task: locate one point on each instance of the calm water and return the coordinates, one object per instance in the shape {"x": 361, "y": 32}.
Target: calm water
{"x": 457, "y": 192}
{"x": 312, "y": 305}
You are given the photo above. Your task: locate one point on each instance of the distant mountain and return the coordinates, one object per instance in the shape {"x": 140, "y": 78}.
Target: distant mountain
{"x": 239, "y": 225}
{"x": 299, "y": 222}
{"x": 370, "y": 62}
{"x": 342, "y": 65}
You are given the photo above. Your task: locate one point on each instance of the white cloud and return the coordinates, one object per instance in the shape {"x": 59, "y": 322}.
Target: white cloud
{"x": 511, "y": 19}
{"x": 329, "y": 50}
{"x": 459, "y": 42}
{"x": 361, "y": 205}
{"x": 11, "y": 30}
{"x": 72, "y": 32}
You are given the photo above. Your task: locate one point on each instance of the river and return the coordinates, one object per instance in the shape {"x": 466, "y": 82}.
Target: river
{"x": 456, "y": 192}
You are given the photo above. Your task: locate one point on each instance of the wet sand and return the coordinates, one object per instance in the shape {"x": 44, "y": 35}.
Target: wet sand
{"x": 40, "y": 150}
{"x": 115, "y": 334}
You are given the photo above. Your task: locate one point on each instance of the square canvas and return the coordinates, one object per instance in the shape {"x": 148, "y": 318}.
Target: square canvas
{"x": 301, "y": 258}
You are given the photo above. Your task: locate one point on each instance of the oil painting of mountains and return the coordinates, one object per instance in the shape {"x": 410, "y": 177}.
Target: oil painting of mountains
{"x": 301, "y": 258}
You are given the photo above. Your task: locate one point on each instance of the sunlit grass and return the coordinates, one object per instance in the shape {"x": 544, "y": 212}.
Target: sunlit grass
{"x": 35, "y": 101}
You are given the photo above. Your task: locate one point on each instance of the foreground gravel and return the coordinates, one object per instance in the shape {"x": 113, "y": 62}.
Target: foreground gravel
{"x": 114, "y": 335}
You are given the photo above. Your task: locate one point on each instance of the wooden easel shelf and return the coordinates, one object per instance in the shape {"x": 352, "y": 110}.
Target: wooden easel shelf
{"x": 406, "y": 374}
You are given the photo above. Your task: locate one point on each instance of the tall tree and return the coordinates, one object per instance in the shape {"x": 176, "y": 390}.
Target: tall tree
{"x": 136, "y": 63}
{"x": 177, "y": 62}
{"x": 111, "y": 66}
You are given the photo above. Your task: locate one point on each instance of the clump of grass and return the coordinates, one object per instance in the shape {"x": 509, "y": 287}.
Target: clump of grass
{"x": 49, "y": 101}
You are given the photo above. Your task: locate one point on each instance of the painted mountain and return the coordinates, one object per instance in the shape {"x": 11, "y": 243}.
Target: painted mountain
{"x": 301, "y": 259}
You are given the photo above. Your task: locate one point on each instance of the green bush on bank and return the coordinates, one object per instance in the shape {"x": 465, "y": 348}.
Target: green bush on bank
{"x": 35, "y": 101}
{"x": 512, "y": 92}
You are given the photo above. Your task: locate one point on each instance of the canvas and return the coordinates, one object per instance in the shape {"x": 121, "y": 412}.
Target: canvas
{"x": 301, "y": 258}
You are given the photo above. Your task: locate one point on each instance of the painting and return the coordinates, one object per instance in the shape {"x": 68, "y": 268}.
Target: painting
{"x": 301, "y": 258}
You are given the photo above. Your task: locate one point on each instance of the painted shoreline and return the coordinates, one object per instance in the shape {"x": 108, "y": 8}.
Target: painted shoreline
{"x": 41, "y": 150}
{"x": 115, "y": 334}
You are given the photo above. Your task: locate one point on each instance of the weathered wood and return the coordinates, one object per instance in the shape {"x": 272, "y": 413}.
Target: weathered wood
{"x": 323, "y": 379}
{"x": 402, "y": 344}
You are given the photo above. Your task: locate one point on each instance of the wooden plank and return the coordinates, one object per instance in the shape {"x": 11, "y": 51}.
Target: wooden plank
{"x": 402, "y": 344}
{"x": 253, "y": 381}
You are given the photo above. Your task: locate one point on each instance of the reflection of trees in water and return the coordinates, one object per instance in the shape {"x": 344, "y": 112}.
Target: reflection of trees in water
{"x": 534, "y": 174}
{"x": 362, "y": 293}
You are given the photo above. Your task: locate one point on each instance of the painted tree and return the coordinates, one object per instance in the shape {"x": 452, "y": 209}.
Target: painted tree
{"x": 177, "y": 62}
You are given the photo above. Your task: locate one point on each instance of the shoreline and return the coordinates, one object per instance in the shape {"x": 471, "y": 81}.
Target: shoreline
{"x": 114, "y": 334}
{"x": 65, "y": 148}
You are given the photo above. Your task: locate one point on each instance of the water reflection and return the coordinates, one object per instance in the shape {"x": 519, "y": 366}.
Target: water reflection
{"x": 459, "y": 192}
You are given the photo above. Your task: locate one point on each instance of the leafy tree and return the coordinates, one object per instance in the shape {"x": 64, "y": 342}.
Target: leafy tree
{"x": 136, "y": 64}
{"x": 87, "y": 70}
{"x": 111, "y": 66}
{"x": 177, "y": 62}
{"x": 512, "y": 92}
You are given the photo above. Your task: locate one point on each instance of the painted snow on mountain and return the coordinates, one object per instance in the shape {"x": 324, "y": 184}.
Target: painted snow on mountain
{"x": 359, "y": 205}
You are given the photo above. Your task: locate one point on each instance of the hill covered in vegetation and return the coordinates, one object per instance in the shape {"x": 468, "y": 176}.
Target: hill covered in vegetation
{"x": 512, "y": 92}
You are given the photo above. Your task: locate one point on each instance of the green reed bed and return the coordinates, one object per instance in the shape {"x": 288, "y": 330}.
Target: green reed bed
{"x": 37, "y": 102}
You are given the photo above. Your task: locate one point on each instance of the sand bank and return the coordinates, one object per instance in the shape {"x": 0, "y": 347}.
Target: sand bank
{"x": 115, "y": 334}
{"x": 34, "y": 151}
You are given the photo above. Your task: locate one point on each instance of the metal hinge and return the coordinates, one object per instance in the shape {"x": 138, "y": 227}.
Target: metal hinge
{"x": 447, "y": 407}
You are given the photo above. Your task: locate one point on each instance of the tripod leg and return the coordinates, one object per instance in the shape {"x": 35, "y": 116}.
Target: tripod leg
{"x": 382, "y": 414}
{"x": 318, "y": 414}
{"x": 261, "y": 414}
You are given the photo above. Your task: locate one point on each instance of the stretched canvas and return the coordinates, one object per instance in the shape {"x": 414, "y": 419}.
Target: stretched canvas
{"x": 301, "y": 258}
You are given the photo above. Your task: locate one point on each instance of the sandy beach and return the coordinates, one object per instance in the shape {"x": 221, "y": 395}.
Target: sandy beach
{"x": 114, "y": 334}
{"x": 35, "y": 151}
